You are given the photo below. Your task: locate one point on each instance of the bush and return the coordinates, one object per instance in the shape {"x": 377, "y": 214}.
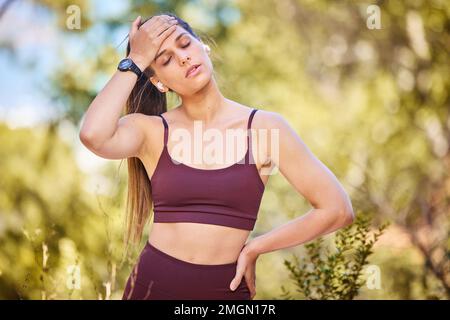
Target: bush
{"x": 323, "y": 274}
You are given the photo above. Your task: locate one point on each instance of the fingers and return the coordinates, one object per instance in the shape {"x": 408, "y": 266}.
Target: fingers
{"x": 251, "y": 285}
{"x": 237, "y": 278}
{"x": 166, "y": 33}
{"x": 165, "y": 28}
{"x": 158, "y": 28}
{"x": 135, "y": 26}
{"x": 155, "y": 23}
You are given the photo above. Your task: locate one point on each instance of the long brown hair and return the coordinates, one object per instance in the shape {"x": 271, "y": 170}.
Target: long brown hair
{"x": 147, "y": 99}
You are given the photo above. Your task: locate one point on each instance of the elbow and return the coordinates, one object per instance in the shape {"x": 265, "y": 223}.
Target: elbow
{"x": 349, "y": 218}
{"x": 85, "y": 137}
{"x": 345, "y": 213}
{"x": 345, "y": 216}
{"x": 88, "y": 139}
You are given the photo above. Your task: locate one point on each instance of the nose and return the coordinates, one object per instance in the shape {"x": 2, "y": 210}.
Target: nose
{"x": 185, "y": 59}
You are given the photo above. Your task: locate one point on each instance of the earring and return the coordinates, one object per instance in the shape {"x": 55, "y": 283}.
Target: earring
{"x": 160, "y": 85}
{"x": 207, "y": 48}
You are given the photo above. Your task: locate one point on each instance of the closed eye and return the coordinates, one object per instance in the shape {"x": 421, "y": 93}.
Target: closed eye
{"x": 167, "y": 62}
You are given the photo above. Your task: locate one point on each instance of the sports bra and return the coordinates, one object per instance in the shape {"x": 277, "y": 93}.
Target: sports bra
{"x": 229, "y": 196}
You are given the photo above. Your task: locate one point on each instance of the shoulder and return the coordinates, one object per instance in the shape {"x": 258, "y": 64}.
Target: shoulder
{"x": 170, "y": 116}
{"x": 151, "y": 127}
{"x": 269, "y": 126}
{"x": 274, "y": 125}
{"x": 265, "y": 119}
{"x": 140, "y": 119}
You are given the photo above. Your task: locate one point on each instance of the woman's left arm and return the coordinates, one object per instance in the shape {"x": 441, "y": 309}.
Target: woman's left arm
{"x": 311, "y": 178}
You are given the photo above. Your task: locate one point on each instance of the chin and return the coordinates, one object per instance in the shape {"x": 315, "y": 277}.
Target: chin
{"x": 201, "y": 79}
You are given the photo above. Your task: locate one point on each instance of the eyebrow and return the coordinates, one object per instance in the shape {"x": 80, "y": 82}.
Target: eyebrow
{"x": 176, "y": 39}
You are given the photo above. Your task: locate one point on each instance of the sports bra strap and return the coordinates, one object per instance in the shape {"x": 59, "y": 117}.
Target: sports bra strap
{"x": 251, "y": 118}
{"x": 249, "y": 125}
{"x": 166, "y": 129}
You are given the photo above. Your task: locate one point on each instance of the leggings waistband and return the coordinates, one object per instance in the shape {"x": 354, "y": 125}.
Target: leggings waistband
{"x": 167, "y": 256}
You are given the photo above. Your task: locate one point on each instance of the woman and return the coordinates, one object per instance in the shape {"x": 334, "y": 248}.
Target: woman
{"x": 203, "y": 213}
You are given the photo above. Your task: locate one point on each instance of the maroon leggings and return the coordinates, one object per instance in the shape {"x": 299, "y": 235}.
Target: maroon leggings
{"x": 160, "y": 276}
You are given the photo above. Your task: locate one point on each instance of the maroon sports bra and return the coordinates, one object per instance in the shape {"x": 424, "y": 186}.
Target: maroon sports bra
{"x": 229, "y": 196}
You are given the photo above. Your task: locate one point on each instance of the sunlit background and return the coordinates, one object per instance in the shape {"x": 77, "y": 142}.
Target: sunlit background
{"x": 365, "y": 85}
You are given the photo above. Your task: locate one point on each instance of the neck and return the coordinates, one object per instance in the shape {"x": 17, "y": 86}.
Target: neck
{"x": 205, "y": 105}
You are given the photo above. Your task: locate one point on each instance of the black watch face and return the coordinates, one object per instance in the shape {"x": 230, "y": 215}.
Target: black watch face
{"x": 125, "y": 64}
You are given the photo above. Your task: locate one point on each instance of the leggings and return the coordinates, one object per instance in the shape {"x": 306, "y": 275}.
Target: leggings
{"x": 160, "y": 276}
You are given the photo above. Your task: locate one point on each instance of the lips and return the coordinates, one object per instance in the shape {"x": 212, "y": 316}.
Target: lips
{"x": 191, "y": 68}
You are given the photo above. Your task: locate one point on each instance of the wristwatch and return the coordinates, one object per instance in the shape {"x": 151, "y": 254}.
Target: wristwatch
{"x": 128, "y": 65}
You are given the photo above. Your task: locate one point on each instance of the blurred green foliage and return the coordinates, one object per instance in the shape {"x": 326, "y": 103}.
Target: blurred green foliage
{"x": 339, "y": 273}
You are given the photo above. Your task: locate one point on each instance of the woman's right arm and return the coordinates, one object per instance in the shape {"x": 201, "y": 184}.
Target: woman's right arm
{"x": 104, "y": 131}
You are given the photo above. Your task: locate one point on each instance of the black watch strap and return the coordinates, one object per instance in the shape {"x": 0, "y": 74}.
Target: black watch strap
{"x": 128, "y": 65}
{"x": 135, "y": 69}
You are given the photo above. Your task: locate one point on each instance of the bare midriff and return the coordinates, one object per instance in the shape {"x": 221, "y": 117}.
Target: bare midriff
{"x": 198, "y": 242}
